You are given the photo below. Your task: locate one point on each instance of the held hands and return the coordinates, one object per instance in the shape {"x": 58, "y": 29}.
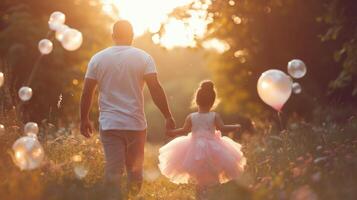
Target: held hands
{"x": 170, "y": 123}
{"x": 237, "y": 127}
{"x": 86, "y": 128}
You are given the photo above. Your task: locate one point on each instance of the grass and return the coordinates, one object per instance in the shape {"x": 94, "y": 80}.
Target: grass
{"x": 306, "y": 161}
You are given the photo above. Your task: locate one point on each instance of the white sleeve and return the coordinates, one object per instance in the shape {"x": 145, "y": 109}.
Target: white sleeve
{"x": 150, "y": 67}
{"x": 92, "y": 69}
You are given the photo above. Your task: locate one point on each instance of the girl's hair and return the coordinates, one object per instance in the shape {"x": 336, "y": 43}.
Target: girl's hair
{"x": 205, "y": 95}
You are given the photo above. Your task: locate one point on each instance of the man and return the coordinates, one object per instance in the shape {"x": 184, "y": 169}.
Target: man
{"x": 120, "y": 72}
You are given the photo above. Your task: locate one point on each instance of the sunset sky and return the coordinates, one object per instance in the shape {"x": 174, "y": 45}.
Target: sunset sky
{"x": 149, "y": 15}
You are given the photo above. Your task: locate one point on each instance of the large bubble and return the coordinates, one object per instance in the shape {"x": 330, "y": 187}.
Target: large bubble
{"x": 72, "y": 39}
{"x": 28, "y": 153}
{"x": 56, "y": 19}
{"x": 60, "y": 32}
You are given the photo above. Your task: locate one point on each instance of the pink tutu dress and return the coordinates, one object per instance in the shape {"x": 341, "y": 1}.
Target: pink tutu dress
{"x": 202, "y": 157}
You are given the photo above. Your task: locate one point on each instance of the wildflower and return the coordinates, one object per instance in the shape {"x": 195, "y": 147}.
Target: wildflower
{"x": 316, "y": 177}
{"x": 319, "y": 148}
{"x": 296, "y": 171}
{"x": 59, "y": 102}
{"x": 320, "y": 159}
{"x": 304, "y": 193}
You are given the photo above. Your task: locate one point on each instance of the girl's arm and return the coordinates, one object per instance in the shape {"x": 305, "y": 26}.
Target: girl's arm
{"x": 225, "y": 128}
{"x": 181, "y": 131}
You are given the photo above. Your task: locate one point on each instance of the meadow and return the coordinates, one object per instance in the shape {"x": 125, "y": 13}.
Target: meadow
{"x": 310, "y": 155}
{"x": 306, "y": 161}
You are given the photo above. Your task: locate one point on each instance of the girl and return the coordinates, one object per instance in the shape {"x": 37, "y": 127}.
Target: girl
{"x": 203, "y": 157}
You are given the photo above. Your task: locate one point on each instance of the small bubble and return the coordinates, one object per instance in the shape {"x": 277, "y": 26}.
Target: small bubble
{"x": 236, "y": 19}
{"x": 231, "y": 3}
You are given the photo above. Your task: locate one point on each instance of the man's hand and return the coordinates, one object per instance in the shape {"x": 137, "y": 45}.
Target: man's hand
{"x": 170, "y": 123}
{"x": 86, "y": 128}
{"x": 86, "y": 102}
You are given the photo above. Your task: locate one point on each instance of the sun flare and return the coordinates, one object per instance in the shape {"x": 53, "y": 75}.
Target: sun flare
{"x": 147, "y": 16}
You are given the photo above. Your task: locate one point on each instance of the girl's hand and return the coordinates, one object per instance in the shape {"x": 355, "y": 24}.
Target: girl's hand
{"x": 170, "y": 133}
{"x": 237, "y": 127}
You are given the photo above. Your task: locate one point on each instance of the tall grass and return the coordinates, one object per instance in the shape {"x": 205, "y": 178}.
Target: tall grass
{"x": 307, "y": 161}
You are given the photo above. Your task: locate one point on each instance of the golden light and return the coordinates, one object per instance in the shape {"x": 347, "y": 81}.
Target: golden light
{"x": 177, "y": 34}
{"x": 19, "y": 154}
{"x": 144, "y": 14}
{"x": 75, "y": 82}
{"x": 236, "y": 19}
{"x": 28, "y": 153}
{"x": 265, "y": 85}
{"x": 77, "y": 158}
{"x": 231, "y": 3}
{"x": 217, "y": 45}
{"x": 147, "y": 16}
{"x": 37, "y": 153}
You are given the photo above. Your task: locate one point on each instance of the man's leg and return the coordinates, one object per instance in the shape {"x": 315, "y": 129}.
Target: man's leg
{"x": 114, "y": 146}
{"x": 135, "y": 159}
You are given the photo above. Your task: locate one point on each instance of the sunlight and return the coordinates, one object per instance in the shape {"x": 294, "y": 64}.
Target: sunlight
{"x": 149, "y": 15}
{"x": 216, "y": 45}
{"x": 146, "y": 15}
{"x": 265, "y": 85}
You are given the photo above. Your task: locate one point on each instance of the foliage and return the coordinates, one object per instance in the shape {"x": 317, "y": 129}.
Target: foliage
{"x": 267, "y": 34}
{"x": 341, "y": 18}
{"x": 23, "y": 24}
{"x": 58, "y": 83}
{"x": 307, "y": 161}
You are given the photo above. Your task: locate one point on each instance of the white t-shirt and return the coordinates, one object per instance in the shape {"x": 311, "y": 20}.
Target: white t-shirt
{"x": 119, "y": 71}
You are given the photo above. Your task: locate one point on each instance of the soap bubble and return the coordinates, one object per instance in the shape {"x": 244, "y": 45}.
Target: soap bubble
{"x": 45, "y": 46}
{"x": 56, "y": 19}
{"x": 80, "y": 171}
{"x": 31, "y": 128}
{"x": 72, "y": 39}
{"x": 25, "y": 93}
{"x": 297, "y": 88}
{"x": 1, "y": 79}
{"x": 28, "y": 153}
{"x": 297, "y": 68}
{"x": 2, "y": 129}
{"x": 151, "y": 175}
{"x": 60, "y": 32}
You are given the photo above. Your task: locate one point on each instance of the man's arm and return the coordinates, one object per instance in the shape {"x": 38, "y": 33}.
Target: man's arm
{"x": 86, "y": 103}
{"x": 159, "y": 97}
{"x": 181, "y": 131}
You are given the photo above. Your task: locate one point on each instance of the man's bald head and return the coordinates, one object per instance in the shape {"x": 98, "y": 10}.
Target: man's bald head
{"x": 123, "y": 32}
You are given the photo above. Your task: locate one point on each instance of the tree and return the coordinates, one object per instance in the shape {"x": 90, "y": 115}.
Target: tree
{"x": 341, "y": 18}
{"x": 263, "y": 35}
{"x": 23, "y": 24}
